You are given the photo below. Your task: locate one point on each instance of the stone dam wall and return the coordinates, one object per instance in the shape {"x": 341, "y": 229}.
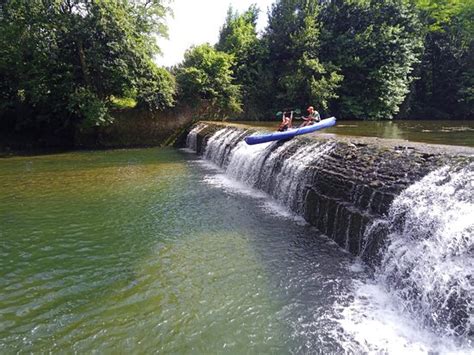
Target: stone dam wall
{"x": 135, "y": 128}
{"x": 406, "y": 209}
{"x": 345, "y": 189}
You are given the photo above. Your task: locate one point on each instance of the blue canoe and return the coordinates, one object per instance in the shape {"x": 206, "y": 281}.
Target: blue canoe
{"x": 328, "y": 122}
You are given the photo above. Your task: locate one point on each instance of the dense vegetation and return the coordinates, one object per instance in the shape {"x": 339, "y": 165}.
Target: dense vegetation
{"x": 366, "y": 59}
{"x": 64, "y": 64}
{"x": 206, "y": 82}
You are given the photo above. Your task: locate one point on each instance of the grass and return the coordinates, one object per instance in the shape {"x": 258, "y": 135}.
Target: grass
{"x": 123, "y": 102}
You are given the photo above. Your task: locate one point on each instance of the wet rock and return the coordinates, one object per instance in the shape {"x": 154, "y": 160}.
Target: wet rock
{"x": 354, "y": 184}
{"x": 348, "y": 192}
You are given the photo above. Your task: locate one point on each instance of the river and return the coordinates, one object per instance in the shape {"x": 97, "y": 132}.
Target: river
{"x": 158, "y": 250}
{"x": 454, "y": 132}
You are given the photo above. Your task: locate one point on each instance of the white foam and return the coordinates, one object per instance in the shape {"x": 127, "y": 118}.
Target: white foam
{"x": 233, "y": 186}
{"x": 277, "y": 209}
{"x": 357, "y": 266}
{"x": 408, "y": 307}
{"x": 428, "y": 263}
{"x": 376, "y": 323}
{"x": 191, "y": 138}
{"x": 207, "y": 165}
{"x": 187, "y": 150}
{"x": 441, "y": 205}
{"x": 219, "y": 179}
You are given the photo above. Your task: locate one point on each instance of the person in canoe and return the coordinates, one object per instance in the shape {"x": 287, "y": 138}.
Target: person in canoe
{"x": 313, "y": 116}
{"x": 286, "y": 121}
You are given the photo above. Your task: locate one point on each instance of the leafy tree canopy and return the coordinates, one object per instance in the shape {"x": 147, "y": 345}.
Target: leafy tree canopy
{"x": 238, "y": 37}
{"x": 239, "y": 31}
{"x": 205, "y": 81}
{"x": 377, "y": 44}
{"x": 442, "y": 12}
{"x": 63, "y": 60}
{"x": 446, "y": 74}
{"x": 293, "y": 39}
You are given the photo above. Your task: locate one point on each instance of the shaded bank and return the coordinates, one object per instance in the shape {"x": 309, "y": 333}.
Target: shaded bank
{"x": 131, "y": 128}
{"x": 135, "y": 128}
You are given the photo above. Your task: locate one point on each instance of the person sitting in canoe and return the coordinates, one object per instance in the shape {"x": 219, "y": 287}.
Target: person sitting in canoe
{"x": 286, "y": 121}
{"x": 313, "y": 116}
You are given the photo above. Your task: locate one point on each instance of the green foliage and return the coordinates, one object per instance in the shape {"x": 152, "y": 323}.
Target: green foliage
{"x": 293, "y": 39}
{"x": 156, "y": 88}
{"x": 369, "y": 59}
{"x": 64, "y": 60}
{"x": 86, "y": 104}
{"x": 238, "y": 37}
{"x": 205, "y": 82}
{"x": 446, "y": 73}
{"x": 302, "y": 85}
{"x": 466, "y": 87}
{"x": 376, "y": 43}
{"x": 440, "y": 13}
{"x": 123, "y": 102}
{"x": 65, "y": 63}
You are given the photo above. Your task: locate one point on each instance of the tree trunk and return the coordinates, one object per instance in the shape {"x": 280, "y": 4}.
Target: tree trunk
{"x": 82, "y": 60}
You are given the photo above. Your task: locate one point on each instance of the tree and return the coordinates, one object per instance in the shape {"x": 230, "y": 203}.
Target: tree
{"x": 445, "y": 88}
{"x": 205, "y": 82}
{"x": 293, "y": 40}
{"x": 238, "y": 37}
{"x": 377, "y": 44}
{"x": 437, "y": 14}
{"x": 238, "y": 34}
{"x": 61, "y": 61}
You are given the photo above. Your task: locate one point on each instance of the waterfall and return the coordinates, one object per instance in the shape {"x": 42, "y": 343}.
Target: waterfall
{"x": 279, "y": 168}
{"x": 422, "y": 246}
{"x": 221, "y": 144}
{"x": 427, "y": 258}
{"x": 191, "y": 138}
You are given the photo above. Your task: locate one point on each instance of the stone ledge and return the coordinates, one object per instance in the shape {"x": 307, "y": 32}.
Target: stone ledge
{"x": 355, "y": 183}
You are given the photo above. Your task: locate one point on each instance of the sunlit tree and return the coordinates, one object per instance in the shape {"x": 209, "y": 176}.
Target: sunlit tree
{"x": 62, "y": 62}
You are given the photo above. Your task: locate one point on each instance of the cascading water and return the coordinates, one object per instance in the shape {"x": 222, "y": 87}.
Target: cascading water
{"x": 191, "y": 138}
{"x": 427, "y": 261}
{"x": 221, "y": 144}
{"x": 279, "y": 169}
{"x": 423, "y": 282}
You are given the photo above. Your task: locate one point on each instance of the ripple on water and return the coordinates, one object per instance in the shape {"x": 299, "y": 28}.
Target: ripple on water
{"x": 148, "y": 251}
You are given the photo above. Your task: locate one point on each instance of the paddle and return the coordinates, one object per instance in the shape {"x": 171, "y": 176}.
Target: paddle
{"x": 296, "y": 112}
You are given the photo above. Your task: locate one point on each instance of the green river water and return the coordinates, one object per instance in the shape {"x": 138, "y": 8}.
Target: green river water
{"x": 132, "y": 251}
{"x": 158, "y": 250}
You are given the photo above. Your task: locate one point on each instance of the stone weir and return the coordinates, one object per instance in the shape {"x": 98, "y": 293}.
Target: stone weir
{"x": 406, "y": 209}
{"x": 341, "y": 186}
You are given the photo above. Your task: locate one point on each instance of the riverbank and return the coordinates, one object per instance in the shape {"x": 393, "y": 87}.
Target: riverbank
{"x": 131, "y": 128}
{"x": 135, "y": 129}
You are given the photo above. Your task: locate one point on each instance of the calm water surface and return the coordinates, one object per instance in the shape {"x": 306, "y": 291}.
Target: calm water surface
{"x": 436, "y": 132}
{"x": 135, "y": 250}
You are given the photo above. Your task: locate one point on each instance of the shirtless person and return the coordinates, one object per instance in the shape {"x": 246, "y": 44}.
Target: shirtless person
{"x": 286, "y": 121}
